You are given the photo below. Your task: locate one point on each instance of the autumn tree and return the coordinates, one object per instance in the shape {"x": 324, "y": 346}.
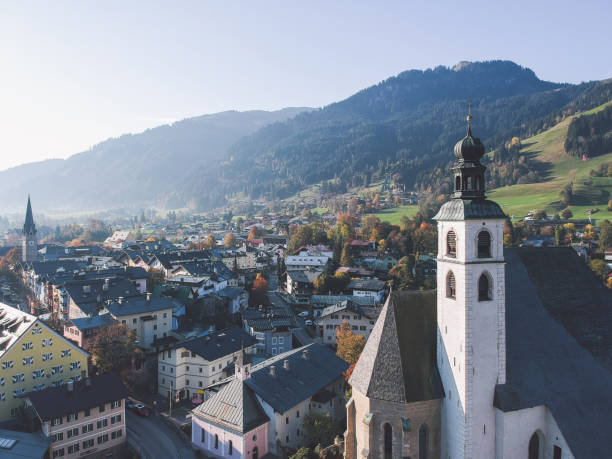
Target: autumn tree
{"x": 368, "y": 226}
{"x": 349, "y": 345}
{"x": 567, "y": 213}
{"x": 229, "y": 241}
{"x": 605, "y": 235}
{"x": 210, "y": 242}
{"x": 8, "y": 261}
{"x": 346, "y": 259}
{"x": 113, "y": 348}
{"x": 259, "y": 291}
{"x": 156, "y": 277}
{"x": 319, "y": 429}
{"x": 598, "y": 267}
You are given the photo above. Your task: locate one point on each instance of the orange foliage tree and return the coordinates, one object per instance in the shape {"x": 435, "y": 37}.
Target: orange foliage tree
{"x": 259, "y": 292}
{"x": 349, "y": 344}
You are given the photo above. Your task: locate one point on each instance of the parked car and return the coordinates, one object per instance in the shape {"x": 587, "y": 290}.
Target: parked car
{"x": 308, "y": 322}
{"x": 130, "y": 404}
{"x": 142, "y": 410}
{"x": 303, "y": 314}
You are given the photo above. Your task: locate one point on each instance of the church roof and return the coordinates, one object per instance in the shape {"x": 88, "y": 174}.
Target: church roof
{"x": 559, "y": 345}
{"x": 398, "y": 363}
{"x": 29, "y": 227}
{"x": 465, "y": 209}
{"x": 235, "y": 407}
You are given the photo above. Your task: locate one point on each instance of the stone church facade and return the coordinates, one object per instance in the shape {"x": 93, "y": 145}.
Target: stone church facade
{"x": 511, "y": 356}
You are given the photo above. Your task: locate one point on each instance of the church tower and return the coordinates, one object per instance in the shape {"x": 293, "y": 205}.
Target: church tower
{"x": 29, "y": 244}
{"x": 471, "y": 307}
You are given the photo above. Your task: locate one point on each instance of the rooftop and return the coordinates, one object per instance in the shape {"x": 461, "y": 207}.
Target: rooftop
{"x": 140, "y": 305}
{"x": 13, "y": 324}
{"x": 23, "y": 444}
{"x": 219, "y": 344}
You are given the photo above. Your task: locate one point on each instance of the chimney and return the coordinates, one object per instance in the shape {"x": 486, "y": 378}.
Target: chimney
{"x": 120, "y": 300}
{"x": 106, "y": 284}
{"x": 273, "y": 370}
{"x": 286, "y": 364}
{"x": 149, "y": 294}
{"x": 70, "y": 386}
{"x": 305, "y": 354}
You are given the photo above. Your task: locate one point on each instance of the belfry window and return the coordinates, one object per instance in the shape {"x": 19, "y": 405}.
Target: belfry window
{"x": 484, "y": 244}
{"x": 458, "y": 183}
{"x": 423, "y": 441}
{"x": 450, "y": 285}
{"x": 388, "y": 435}
{"x": 484, "y": 288}
{"x": 451, "y": 244}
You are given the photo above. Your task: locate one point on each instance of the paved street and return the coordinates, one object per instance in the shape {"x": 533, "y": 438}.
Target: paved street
{"x": 153, "y": 438}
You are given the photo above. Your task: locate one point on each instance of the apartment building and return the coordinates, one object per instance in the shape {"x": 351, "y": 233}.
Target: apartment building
{"x": 187, "y": 368}
{"x": 32, "y": 358}
{"x": 86, "y": 418}
{"x": 361, "y": 319}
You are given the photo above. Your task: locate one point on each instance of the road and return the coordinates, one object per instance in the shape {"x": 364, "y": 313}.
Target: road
{"x": 153, "y": 438}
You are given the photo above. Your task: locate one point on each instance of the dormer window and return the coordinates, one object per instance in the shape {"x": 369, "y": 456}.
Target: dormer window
{"x": 451, "y": 244}
{"x": 484, "y": 244}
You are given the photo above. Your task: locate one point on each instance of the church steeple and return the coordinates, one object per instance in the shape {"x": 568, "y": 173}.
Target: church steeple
{"x": 468, "y": 172}
{"x": 29, "y": 227}
{"x": 29, "y": 244}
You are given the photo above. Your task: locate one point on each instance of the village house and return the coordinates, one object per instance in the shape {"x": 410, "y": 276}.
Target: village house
{"x": 81, "y": 331}
{"x": 300, "y": 282}
{"x": 32, "y": 357}
{"x": 189, "y": 367}
{"x": 306, "y": 262}
{"x": 274, "y": 396}
{"x": 271, "y": 328}
{"x": 360, "y": 319}
{"x": 85, "y": 298}
{"x": 367, "y": 287}
{"x": 86, "y": 418}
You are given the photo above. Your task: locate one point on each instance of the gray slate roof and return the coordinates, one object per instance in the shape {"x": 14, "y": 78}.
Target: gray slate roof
{"x": 366, "y": 284}
{"x": 28, "y": 445}
{"x": 140, "y": 305}
{"x": 86, "y": 323}
{"x": 218, "y": 344}
{"x": 402, "y": 347}
{"x": 561, "y": 356}
{"x": 235, "y": 407}
{"x": 349, "y": 305}
{"x": 319, "y": 300}
{"x": 466, "y": 209}
{"x": 306, "y": 276}
{"x": 305, "y": 377}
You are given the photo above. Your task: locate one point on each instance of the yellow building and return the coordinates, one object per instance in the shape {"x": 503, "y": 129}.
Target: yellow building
{"x": 33, "y": 357}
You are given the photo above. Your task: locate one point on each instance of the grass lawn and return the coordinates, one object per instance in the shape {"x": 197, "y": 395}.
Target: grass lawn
{"x": 547, "y": 147}
{"x": 395, "y": 215}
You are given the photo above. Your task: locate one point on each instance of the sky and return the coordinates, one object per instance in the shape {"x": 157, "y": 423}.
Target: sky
{"x": 73, "y": 73}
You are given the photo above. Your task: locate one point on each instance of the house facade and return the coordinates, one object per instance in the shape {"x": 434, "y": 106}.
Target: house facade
{"x": 361, "y": 320}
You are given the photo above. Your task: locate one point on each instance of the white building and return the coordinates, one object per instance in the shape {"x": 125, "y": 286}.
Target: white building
{"x": 306, "y": 261}
{"x": 361, "y": 319}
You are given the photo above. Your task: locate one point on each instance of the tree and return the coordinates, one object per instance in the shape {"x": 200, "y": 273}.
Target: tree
{"x": 540, "y": 215}
{"x": 8, "y": 262}
{"x": 229, "y": 241}
{"x": 304, "y": 453}
{"x": 567, "y": 193}
{"x": 368, "y": 226}
{"x": 255, "y": 233}
{"x": 598, "y": 267}
{"x": 349, "y": 345}
{"x": 259, "y": 291}
{"x": 156, "y": 277}
{"x": 113, "y": 348}
{"x": 567, "y": 214}
{"x": 346, "y": 259}
{"x": 319, "y": 429}
{"x": 210, "y": 242}
{"x": 605, "y": 235}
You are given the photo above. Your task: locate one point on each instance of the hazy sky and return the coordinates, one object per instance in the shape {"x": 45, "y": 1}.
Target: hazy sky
{"x": 73, "y": 73}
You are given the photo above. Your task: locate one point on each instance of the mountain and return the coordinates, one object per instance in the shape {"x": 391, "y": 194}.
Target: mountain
{"x": 134, "y": 169}
{"x": 405, "y": 125}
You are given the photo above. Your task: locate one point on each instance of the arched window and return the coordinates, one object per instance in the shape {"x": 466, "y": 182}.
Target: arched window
{"x": 423, "y": 441}
{"x": 534, "y": 446}
{"x": 458, "y": 183}
{"x": 216, "y": 441}
{"x": 230, "y": 448}
{"x": 451, "y": 244}
{"x": 450, "y": 285}
{"x": 484, "y": 244}
{"x": 484, "y": 288}
{"x": 388, "y": 434}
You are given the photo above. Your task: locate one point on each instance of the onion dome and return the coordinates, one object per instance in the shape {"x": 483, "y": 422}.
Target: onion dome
{"x": 469, "y": 149}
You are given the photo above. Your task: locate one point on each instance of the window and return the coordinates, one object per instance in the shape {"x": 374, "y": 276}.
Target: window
{"x": 47, "y": 356}
{"x": 534, "y": 446}
{"x": 362, "y": 327}
{"x": 216, "y": 441}
{"x": 102, "y": 439}
{"x": 56, "y": 421}
{"x": 202, "y": 436}
{"x": 450, "y": 285}
{"x": 134, "y": 320}
{"x": 1, "y": 381}
{"x": 169, "y": 354}
{"x": 20, "y": 377}
{"x": 2, "y": 396}
{"x": 37, "y": 330}
{"x": 199, "y": 383}
{"x": 298, "y": 414}
{"x": 73, "y": 448}
{"x": 57, "y": 369}
{"x": 281, "y": 340}
{"x": 58, "y": 453}
{"x": 286, "y": 420}
{"x": 451, "y": 244}
{"x": 484, "y": 288}
{"x": 88, "y": 443}
{"x": 186, "y": 367}
{"x": 115, "y": 404}
{"x": 57, "y": 437}
{"x": 72, "y": 432}
{"x": 200, "y": 369}
{"x": 388, "y": 436}
{"x": 47, "y": 342}
{"x": 116, "y": 434}
{"x": 7, "y": 364}
{"x": 484, "y": 244}
{"x": 87, "y": 428}
{"x": 556, "y": 452}
{"x": 26, "y": 346}
{"x": 230, "y": 449}
{"x": 187, "y": 382}
{"x": 72, "y": 417}
{"x": 87, "y": 412}
{"x": 273, "y": 340}
{"x": 102, "y": 423}
{"x": 27, "y": 360}
{"x": 75, "y": 365}
{"x": 66, "y": 352}
{"x": 101, "y": 408}
{"x": 423, "y": 441}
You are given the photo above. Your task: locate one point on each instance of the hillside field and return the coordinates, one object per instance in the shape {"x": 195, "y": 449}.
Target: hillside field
{"x": 395, "y": 215}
